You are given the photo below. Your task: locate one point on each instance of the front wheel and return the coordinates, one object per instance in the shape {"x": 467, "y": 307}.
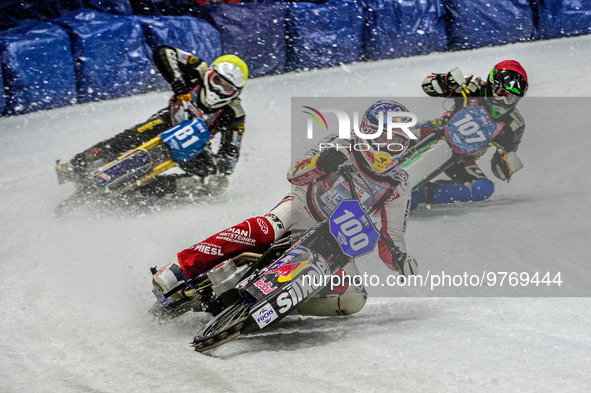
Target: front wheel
{"x": 225, "y": 327}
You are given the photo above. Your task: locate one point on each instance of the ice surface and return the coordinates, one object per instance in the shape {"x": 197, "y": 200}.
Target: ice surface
{"x": 74, "y": 291}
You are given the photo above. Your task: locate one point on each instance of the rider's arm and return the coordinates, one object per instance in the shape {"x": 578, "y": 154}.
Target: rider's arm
{"x": 231, "y": 127}
{"x": 178, "y": 66}
{"x": 392, "y": 222}
{"x": 511, "y": 134}
{"x": 443, "y": 85}
{"x": 505, "y": 161}
{"x": 304, "y": 170}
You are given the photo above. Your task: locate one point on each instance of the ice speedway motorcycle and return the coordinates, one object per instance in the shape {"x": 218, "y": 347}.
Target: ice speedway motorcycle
{"x": 136, "y": 167}
{"x": 469, "y": 132}
{"x": 253, "y": 291}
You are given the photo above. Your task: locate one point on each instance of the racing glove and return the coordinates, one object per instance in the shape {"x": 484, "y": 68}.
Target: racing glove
{"x": 443, "y": 84}
{"x": 406, "y": 264}
{"x": 179, "y": 87}
{"x": 330, "y": 160}
{"x": 503, "y": 165}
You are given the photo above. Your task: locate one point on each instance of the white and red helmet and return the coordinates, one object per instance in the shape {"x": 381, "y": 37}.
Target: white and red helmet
{"x": 224, "y": 81}
{"x": 383, "y": 153}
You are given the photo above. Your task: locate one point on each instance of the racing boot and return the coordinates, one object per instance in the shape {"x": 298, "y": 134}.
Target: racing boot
{"x": 168, "y": 280}
{"x": 65, "y": 172}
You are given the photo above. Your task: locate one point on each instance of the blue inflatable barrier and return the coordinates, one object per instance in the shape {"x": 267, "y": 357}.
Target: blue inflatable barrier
{"x": 323, "y": 35}
{"x": 110, "y": 54}
{"x": 559, "y": 18}
{"x": 2, "y": 99}
{"x": 478, "y": 23}
{"x": 184, "y": 32}
{"x": 403, "y": 28}
{"x": 254, "y": 32}
{"x": 37, "y": 68}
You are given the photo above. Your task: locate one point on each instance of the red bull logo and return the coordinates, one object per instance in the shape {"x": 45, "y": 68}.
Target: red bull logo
{"x": 286, "y": 271}
{"x": 307, "y": 163}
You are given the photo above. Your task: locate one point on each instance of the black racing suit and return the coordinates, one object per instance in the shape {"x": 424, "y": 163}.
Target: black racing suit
{"x": 227, "y": 119}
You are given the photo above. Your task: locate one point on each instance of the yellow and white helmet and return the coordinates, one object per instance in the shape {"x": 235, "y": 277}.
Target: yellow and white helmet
{"x": 224, "y": 81}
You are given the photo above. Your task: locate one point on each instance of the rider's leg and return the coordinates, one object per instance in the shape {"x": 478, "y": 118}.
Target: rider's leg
{"x": 111, "y": 148}
{"x": 345, "y": 295}
{"x": 253, "y": 234}
{"x": 468, "y": 183}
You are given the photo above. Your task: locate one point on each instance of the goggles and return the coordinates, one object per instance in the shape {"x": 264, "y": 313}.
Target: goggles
{"x": 220, "y": 85}
{"x": 504, "y": 95}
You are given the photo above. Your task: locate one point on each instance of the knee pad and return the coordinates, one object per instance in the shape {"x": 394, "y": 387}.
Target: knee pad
{"x": 450, "y": 193}
{"x": 417, "y": 196}
{"x": 345, "y": 304}
{"x": 482, "y": 189}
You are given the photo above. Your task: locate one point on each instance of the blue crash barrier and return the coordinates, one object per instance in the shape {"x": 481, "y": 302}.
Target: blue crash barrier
{"x": 478, "y": 23}
{"x": 323, "y": 35}
{"x": 110, "y": 54}
{"x": 17, "y": 12}
{"x": 37, "y": 67}
{"x": 2, "y": 99}
{"x": 255, "y": 32}
{"x": 102, "y": 55}
{"x": 559, "y": 18}
{"x": 403, "y": 28}
{"x": 184, "y": 32}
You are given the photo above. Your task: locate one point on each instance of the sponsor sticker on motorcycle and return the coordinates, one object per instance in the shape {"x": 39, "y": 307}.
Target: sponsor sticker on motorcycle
{"x": 265, "y": 286}
{"x": 288, "y": 266}
{"x": 304, "y": 285}
{"x": 264, "y": 315}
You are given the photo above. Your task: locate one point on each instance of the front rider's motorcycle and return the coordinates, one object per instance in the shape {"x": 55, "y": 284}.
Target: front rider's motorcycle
{"x": 136, "y": 167}
{"x": 254, "y": 291}
{"x": 468, "y": 133}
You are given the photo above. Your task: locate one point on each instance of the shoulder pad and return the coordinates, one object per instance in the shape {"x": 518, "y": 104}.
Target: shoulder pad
{"x": 517, "y": 119}
{"x": 236, "y": 106}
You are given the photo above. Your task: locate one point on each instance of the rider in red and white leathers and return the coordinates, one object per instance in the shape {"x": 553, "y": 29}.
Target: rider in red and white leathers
{"x": 380, "y": 187}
